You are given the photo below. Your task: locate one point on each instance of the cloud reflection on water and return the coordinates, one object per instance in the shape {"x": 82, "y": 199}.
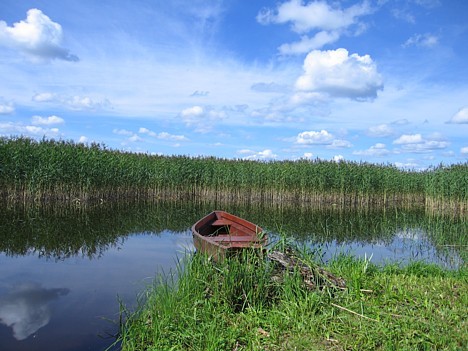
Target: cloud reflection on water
{"x": 26, "y": 308}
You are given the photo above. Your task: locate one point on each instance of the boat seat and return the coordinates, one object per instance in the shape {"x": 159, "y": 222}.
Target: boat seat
{"x": 221, "y": 222}
{"x": 236, "y": 238}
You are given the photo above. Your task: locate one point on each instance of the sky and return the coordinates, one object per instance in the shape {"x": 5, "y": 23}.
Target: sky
{"x": 383, "y": 81}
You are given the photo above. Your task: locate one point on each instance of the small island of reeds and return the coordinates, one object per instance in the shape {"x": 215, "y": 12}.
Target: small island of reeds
{"x": 244, "y": 303}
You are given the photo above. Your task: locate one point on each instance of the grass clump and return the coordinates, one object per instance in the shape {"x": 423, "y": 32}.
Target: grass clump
{"x": 236, "y": 305}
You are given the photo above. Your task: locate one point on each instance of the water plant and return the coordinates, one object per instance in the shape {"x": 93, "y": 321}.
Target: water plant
{"x": 66, "y": 171}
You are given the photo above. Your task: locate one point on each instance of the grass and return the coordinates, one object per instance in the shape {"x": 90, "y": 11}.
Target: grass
{"x": 236, "y": 306}
{"x": 65, "y": 171}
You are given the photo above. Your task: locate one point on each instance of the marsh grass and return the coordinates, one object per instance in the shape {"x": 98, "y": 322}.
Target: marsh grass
{"x": 50, "y": 170}
{"x": 237, "y": 306}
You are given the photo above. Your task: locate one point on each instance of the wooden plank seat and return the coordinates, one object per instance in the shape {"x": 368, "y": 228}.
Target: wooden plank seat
{"x": 221, "y": 222}
{"x": 235, "y": 238}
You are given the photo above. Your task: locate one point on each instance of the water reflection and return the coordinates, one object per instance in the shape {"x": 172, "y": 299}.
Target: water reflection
{"x": 26, "y": 308}
{"x": 105, "y": 252}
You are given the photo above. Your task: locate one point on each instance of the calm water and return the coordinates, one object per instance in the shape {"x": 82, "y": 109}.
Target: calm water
{"x": 63, "y": 271}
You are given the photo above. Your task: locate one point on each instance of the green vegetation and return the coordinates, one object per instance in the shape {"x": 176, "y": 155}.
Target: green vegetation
{"x": 236, "y": 305}
{"x": 66, "y": 171}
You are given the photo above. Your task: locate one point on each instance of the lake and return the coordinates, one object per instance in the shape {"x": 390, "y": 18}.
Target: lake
{"x": 65, "y": 270}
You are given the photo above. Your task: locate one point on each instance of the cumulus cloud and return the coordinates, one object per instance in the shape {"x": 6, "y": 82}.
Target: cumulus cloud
{"x": 340, "y": 144}
{"x": 75, "y": 102}
{"x": 312, "y": 137}
{"x": 84, "y": 103}
{"x": 422, "y": 40}
{"x": 409, "y": 139}
{"x": 266, "y": 154}
{"x": 382, "y": 130}
{"x": 338, "y": 74}
{"x": 378, "y": 150}
{"x": 338, "y": 158}
{"x": 416, "y": 143}
{"x": 162, "y": 135}
{"x": 461, "y": 117}
{"x": 6, "y": 108}
{"x": 47, "y": 121}
{"x": 122, "y": 132}
{"x": 202, "y": 118}
{"x": 464, "y": 151}
{"x": 194, "y": 111}
{"x": 406, "y": 165}
{"x": 327, "y": 23}
{"x": 307, "y": 43}
{"x": 11, "y": 128}
{"x": 37, "y": 36}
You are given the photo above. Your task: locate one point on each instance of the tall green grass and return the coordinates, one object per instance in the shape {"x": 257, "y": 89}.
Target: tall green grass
{"x": 62, "y": 170}
{"x": 236, "y": 305}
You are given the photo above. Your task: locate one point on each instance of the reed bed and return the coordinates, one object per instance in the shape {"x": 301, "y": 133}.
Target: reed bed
{"x": 50, "y": 170}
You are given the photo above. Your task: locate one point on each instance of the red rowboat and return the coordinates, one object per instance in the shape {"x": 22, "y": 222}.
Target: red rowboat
{"x": 220, "y": 234}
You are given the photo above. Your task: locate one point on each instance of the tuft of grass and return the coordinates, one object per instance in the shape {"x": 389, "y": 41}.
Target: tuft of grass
{"x": 236, "y": 305}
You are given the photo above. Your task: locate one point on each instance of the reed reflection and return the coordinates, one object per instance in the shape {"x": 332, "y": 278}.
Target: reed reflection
{"x": 64, "y": 232}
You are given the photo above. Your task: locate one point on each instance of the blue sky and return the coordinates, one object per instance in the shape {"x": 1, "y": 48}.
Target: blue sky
{"x": 378, "y": 81}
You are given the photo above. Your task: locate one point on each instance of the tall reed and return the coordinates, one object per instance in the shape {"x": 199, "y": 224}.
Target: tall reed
{"x": 67, "y": 171}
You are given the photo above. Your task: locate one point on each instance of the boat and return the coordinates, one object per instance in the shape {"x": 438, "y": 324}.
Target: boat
{"x": 221, "y": 234}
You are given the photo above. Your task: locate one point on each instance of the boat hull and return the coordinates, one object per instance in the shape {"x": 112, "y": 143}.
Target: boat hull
{"x": 221, "y": 234}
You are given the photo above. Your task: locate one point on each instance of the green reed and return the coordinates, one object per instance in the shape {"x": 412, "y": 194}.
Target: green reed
{"x": 67, "y": 171}
{"x": 236, "y": 305}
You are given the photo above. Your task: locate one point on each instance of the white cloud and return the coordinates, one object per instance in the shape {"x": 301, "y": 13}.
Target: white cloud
{"x": 424, "y": 40}
{"x": 44, "y": 97}
{"x": 339, "y": 144}
{"x": 314, "y": 15}
{"x": 84, "y": 103}
{"x": 266, "y": 154}
{"x": 10, "y": 128}
{"x": 135, "y": 138}
{"x": 122, "y": 132}
{"x": 83, "y": 139}
{"x": 75, "y": 102}
{"x": 461, "y": 117}
{"x": 308, "y": 155}
{"x": 312, "y": 137}
{"x": 37, "y": 36}
{"x": 202, "y": 118}
{"x": 464, "y": 151}
{"x": 409, "y": 139}
{"x": 382, "y": 130}
{"x": 338, "y": 158}
{"x": 338, "y": 74}
{"x": 162, "y": 135}
{"x": 306, "y": 43}
{"x": 38, "y": 120}
{"x": 417, "y": 144}
{"x": 6, "y": 108}
{"x": 194, "y": 111}
{"x": 407, "y": 165}
{"x": 329, "y": 22}
{"x": 378, "y": 150}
